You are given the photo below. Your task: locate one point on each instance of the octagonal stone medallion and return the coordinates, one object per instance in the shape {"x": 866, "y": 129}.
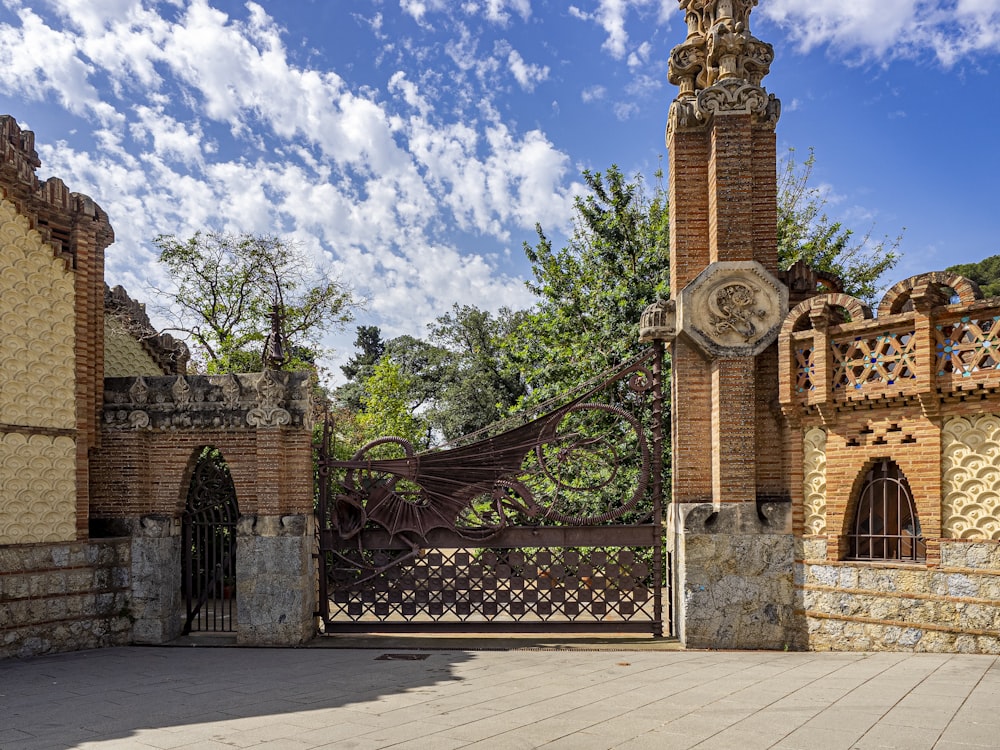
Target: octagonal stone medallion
{"x": 733, "y": 309}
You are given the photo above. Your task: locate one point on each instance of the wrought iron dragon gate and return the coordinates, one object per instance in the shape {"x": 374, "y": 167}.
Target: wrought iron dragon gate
{"x": 555, "y": 524}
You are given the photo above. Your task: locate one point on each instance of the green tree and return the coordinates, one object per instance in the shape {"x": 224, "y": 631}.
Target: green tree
{"x": 592, "y": 292}
{"x": 484, "y": 383}
{"x": 386, "y": 406}
{"x": 369, "y": 347}
{"x": 806, "y": 232}
{"x": 225, "y": 286}
{"x": 986, "y": 273}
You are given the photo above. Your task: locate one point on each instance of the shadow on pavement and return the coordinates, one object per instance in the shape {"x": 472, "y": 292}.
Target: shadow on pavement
{"x": 66, "y": 700}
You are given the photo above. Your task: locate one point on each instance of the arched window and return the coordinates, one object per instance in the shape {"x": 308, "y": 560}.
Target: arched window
{"x": 885, "y": 525}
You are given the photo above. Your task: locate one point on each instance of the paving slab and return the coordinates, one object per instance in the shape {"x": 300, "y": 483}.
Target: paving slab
{"x": 537, "y": 692}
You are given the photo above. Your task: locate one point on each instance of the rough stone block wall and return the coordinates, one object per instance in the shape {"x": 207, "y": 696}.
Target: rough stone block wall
{"x": 736, "y": 577}
{"x": 854, "y": 606}
{"x": 274, "y": 575}
{"x": 64, "y": 597}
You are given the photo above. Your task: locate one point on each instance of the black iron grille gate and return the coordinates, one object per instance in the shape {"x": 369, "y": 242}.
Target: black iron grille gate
{"x": 209, "y": 547}
{"x": 555, "y": 524}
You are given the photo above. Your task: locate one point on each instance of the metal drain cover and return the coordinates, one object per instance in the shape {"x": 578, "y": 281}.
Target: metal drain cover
{"x": 401, "y": 657}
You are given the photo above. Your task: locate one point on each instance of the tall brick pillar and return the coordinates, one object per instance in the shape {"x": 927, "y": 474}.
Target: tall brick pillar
{"x": 731, "y": 519}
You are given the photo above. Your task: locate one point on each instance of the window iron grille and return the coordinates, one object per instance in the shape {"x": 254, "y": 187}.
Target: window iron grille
{"x": 886, "y": 526}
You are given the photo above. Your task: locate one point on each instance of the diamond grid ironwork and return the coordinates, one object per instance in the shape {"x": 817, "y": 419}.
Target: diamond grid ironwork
{"x": 886, "y": 358}
{"x": 967, "y": 345}
{"x": 613, "y": 584}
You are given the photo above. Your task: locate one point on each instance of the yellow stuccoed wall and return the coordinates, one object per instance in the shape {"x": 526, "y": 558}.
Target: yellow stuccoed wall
{"x": 814, "y": 484}
{"x": 37, "y": 387}
{"x": 970, "y": 473}
{"x": 123, "y": 355}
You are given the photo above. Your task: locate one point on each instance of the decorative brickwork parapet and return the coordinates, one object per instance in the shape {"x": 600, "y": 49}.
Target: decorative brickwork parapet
{"x": 831, "y": 308}
{"x": 199, "y": 402}
{"x": 918, "y": 347}
{"x": 50, "y": 207}
{"x": 938, "y": 284}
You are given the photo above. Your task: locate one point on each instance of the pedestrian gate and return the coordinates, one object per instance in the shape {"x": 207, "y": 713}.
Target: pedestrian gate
{"x": 554, "y": 524}
{"x": 209, "y": 547}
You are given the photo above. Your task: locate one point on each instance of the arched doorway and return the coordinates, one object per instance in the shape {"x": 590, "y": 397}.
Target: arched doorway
{"x": 209, "y": 547}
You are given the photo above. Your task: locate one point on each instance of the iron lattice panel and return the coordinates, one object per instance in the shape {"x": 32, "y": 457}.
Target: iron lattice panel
{"x": 606, "y": 585}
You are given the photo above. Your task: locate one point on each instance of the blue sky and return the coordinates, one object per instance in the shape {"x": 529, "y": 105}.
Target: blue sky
{"x": 414, "y": 144}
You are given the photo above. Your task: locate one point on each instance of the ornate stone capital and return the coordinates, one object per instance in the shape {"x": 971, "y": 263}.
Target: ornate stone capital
{"x": 732, "y": 96}
{"x": 268, "y": 417}
{"x": 733, "y": 309}
{"x": 719, "y": 66}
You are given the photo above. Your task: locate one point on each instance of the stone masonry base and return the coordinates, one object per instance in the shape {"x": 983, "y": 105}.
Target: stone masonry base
{"x": 871, "y": 606}
{"x": 275, "y": 579}
{"x": 733, "y": 568}
{"x": 64, "y": 596}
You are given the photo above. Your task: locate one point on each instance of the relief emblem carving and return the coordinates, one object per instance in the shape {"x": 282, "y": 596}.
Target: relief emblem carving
{"x": 733, "y": 309}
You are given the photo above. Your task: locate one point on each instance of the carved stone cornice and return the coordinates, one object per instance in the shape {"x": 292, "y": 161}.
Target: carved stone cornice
{"x": 200, "y": 402}
{"x": 719, "y": 67}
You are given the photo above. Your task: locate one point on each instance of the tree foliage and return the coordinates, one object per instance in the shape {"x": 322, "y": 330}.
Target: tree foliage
{"x": 456, "y": 383}
{"x": 386, "y": 406}
{"x": 483, "y": 382}
{"x": 592, "y": 292}
{"x": 806, "y": 232}
{"x": 986, "y": 273}
{"x": 225, "y": 288}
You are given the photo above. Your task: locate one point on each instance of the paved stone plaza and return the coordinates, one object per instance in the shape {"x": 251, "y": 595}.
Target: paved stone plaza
{"x": 576, "y": 698}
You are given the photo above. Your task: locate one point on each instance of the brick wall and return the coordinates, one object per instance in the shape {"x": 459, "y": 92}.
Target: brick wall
{"x": 155, "y": 428}
{"x": 917, "y": 385}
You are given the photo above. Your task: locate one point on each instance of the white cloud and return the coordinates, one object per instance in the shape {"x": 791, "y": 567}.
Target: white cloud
{"x": 495, "y": 11}
{"x": 593, "y": 93}
{"x": 170, "y": 138}
{"x": 204, "y": 120}
{"x": 884, "y": 29}
{"x": 37, "y": 61}
{"x": 612, "y": 16}
{"x": 528, "y": 76}
{"x": 418, "y": 8}
{"x": 640, "y": 56}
